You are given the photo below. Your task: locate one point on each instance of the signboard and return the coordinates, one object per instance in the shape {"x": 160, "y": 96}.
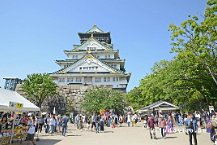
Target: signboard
{"x": 211, "y": 108}
{"x": 19, "y": 105}
{"x": 12, "y": 104}
{"x": 15, "y": 105}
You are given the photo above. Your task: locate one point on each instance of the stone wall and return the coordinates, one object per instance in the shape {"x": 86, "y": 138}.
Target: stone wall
{"x": 70, "y": 95}
{"x": 75, "y": 94}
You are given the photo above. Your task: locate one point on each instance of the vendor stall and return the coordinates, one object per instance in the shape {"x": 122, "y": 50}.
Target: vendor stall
{"x": 12, "y": 102}
{"x": 7, "y": 96}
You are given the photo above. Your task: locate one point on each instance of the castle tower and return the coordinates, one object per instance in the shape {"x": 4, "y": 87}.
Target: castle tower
{"x": 93, "y": 62}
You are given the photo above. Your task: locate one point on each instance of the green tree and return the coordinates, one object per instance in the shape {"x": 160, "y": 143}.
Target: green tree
{"x": 38, "y": 87}
{"x": 189, "y": 80}
{"x": 135, "y": 98}
{"x": 198, "y": 38}
{"x": 102, "y": 99}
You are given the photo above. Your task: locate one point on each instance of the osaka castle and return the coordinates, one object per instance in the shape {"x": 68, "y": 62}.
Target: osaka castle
{"x": 93, "y": 62}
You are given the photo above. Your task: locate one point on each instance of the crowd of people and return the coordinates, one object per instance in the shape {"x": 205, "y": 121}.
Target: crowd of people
{"x": 165, "y": 122}
{"x": 29, "y": 124}
{"x": 193, "y": 122}
{"x": 98, "y": 122}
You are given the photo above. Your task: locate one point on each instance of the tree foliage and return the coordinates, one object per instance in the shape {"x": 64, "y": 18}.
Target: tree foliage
{"x": 198, "y": 39}
{"x": 38, "y": 87}
{"x": 103, "y": 99}
{"x": 189, "y": 80}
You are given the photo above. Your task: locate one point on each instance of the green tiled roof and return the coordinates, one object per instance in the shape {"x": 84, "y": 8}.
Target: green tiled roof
{"x": 95, "y": 29}
{"x": 117, "y": 70}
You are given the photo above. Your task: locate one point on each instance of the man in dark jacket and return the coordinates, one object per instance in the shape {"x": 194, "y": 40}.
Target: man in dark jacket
{"x": 151, "y": 126}
{"x": 64, "y": 125}
{"x": 191, "y": 123}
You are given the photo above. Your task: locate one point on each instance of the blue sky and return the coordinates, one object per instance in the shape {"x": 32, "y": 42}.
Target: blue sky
{"x": 34, "y": 33}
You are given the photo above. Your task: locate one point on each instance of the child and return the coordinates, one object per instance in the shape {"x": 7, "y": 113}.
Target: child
{"x": 145, "y": 123}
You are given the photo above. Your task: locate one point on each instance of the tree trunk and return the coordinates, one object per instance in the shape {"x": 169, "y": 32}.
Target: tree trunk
{"x": 211, "y": 73}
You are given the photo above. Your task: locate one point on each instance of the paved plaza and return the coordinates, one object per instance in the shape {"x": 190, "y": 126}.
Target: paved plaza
{"x": 118, "y": 136}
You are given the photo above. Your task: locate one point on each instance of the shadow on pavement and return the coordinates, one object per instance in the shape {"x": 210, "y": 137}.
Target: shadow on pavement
{"x": 171, "y": 137}
{"x": 41, "y": 142}
{"x": 73, "y": 135}
{"x": 108, "y": 132}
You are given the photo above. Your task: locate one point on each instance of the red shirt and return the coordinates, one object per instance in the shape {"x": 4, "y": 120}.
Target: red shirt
{"x": 151, "y": 122}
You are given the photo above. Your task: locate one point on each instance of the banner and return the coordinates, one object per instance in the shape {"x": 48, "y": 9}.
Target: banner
{"x": 15, "y": 105}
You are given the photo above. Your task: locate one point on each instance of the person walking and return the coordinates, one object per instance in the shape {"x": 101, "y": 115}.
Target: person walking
{"x": 121, "y": 120}
{"x": 133, "y": 119}
{"x": 102, "y": 124}
{"x": 31, "y": 134}
{"x": 97, "y": 123}
{"x": 162, "y": 126}
{"x": 113, "y": 122}
{"x": 128, "y": 120}
{"x": 41, "y": 123}
{"x": 64, "y": 125}
{"x": 58, "y": 123}
{"x": 169, "y": 128}
{"x": 47, "y": 121}
{"x": 71, "y": 117}
{"x": 109, "y": 121}
{"x": 76, "y": 120}
{"x": 191, "y": 123}
{"x": 93, "y": 119}
{"x": 151, "y": 125}
{"x": 88, "y": 123}
{"x": 80, "y": 122}
{"x": 212, "y": 133}
{"x": 136, "y": 119}
{"x": 52, "y": 124}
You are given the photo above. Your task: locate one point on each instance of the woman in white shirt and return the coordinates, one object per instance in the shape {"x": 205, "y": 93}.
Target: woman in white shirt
{"x": 128, "y": 120}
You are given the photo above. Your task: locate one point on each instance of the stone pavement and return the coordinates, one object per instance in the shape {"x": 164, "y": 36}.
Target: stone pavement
{"x": 118, "y": 136}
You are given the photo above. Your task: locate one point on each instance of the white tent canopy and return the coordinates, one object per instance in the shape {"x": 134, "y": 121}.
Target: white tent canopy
{"x": 7, "y": 96}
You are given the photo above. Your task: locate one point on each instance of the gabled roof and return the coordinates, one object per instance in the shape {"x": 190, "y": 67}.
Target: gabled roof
{"x": 159, "y": 104}
{"x": 91, "y": 41}
{"x": 95, "y": 29}
{"x": 88, "y": 59}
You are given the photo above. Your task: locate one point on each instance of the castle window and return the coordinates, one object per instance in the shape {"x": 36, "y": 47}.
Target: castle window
{"x": 114, "y": 79}
{"x": 97, "y": 79}
{"x": 117, "y": 79}
{"x": 91, "y": 48}
{"x": 75, "y": 56}
{"x": 69, "y": 79}
{"x": 78, "y": 79}
{"x": 61, "y": 79}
